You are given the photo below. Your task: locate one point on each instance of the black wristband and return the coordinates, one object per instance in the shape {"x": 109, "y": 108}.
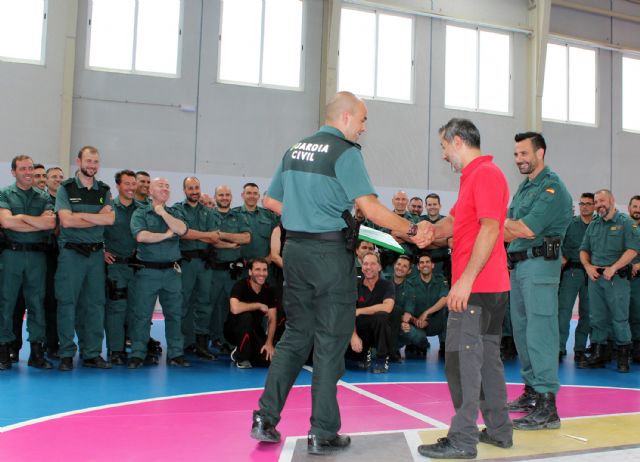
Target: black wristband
{"x": 413, "y": 230}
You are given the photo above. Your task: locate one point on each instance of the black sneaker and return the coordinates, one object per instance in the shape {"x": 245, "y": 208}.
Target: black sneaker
{"x": 178, "y": 361}
{"x": 486, "y": 439}
{"x": 135, "y": 363}
{"x": 525, "y": 402}
{"x": 66, "y": 364}
{"x": 118, "y": 358}
{"x": 380, "y": 366}
{"x": 262, "y": 430}
{"x": 444, "y": 449}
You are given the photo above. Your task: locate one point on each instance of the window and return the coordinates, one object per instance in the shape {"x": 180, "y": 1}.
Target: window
{"x": 22, "y": 30}
{"x": 477, "y": 70}
{"x": 376, "y": 54}
{"x": 630, "y": 94}
{"x": 261, "y": 42}
{"x": 569, "y": 85}
{"x": 138, "y": 36}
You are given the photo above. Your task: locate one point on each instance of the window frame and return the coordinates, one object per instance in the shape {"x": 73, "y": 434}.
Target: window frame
{"x": 622, "y": 98}
{"x": 43, "y": 42}
{"x": 134, "y": 43}
{"x": 596, "y": 108}
{"x": 260, "y": 84}
{"x": 378, "y": 12}
{"x": 477, "y": 109}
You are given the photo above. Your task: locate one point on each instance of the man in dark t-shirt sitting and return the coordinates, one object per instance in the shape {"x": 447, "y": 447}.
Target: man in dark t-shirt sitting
{"x": 376, "y": 298}
{"x": 250, "y": 301}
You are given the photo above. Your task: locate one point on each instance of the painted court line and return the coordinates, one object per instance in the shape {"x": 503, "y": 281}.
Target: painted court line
{"x": 389, "y": 403}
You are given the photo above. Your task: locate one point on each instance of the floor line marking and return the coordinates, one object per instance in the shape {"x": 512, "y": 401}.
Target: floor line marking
{"x": 389, "y": 403}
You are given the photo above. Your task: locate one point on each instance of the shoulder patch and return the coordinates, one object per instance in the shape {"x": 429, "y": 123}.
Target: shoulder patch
{"x": 550, "y": 190}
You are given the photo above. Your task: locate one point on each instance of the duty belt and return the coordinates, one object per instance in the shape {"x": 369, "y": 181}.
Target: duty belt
{"x": 27, "y": 247}
{"x": 84, "y": 249}
{"x": 573, "y": 265}
{"x": 336, "y": 236}
{"x": 158, "y": 265}
{"x": 191, "y": 254}
{"x": 131, "y": 261}
{"x": 516, "y": 257}
{"x": 624, "y": 272}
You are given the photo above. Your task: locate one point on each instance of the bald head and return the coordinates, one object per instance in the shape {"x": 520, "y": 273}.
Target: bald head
{"x": 159, "y": 190}
{"x": 347, "y": 113}
{"x": 400, "y": 202}
{"x": 223, "y": 197}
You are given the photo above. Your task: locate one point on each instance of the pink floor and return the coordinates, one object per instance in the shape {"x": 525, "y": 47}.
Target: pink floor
{"x": 215, "y": 427}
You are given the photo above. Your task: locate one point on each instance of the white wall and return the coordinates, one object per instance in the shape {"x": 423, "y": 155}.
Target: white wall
{"x": 238, "y": 133}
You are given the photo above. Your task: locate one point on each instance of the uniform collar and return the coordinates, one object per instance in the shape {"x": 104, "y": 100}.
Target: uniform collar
{"x": 80, "y": 185}
{"x": 538, "y": 179}
{"x": 475, "y": 163}
{"x": 118, "y": 203}
{"x": 332, "y": 130}
{"x": 14, "y": 187}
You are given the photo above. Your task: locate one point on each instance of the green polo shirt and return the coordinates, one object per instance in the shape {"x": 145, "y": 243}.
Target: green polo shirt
{"x": 261, "y": 223}
{"x": 72, "y": 195}
{"x": 428, "y": 293}
{"x": 606, "y": 241}
{"x": 405, "y": 296}
{"x": 318, "y": 179}
{"x": 25, "y": 202}
{"x": 544, "y": 205}
{"x": 118, "y": 238}
{"x": 146, "y": 219}
{"x": 229, "y": 222}
{"x": 199, "y": 218}
{"x": 573, "y": 238}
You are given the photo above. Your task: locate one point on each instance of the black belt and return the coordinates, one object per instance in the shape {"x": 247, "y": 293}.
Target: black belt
{"x": 125, "y": 260}
{"x": 574, "y": 265}
{"x": 223, "y": 265}
{"x": 158, "y": 265}
{"x": 84, "y": 249}
{"x": 27, "y": 247}
{"x": 624, "y": 272}
{"x": 515, "y": 257}
{"x": 336, "y": 236}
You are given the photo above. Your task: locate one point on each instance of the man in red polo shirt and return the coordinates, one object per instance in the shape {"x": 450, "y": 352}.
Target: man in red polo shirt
{"x": 477, "y": 299}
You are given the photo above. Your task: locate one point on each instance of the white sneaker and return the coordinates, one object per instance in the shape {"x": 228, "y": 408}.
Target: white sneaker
{"x": 244, "y": 364}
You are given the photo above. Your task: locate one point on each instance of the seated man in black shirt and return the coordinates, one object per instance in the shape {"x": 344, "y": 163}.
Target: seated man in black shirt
{"x": 376, "y": 298}
{"x": 250, "y": 301}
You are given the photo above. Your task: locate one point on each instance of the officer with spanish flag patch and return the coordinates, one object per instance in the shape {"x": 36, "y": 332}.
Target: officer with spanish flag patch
{"x": 536, "y": 223}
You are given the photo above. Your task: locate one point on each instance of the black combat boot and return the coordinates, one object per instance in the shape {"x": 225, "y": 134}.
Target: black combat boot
{"x": 508, "y": 348}
{"x": 635, "y": 353}
{"x": 597, "y": 359}
{"x": 624, "y": 354}
{"x": 202, "y": 351}
{"x": 525, "y": 402}
{"x": 544, "y": 415}
{"x": 36, "y": 358}
{"x": 5, "y": 359}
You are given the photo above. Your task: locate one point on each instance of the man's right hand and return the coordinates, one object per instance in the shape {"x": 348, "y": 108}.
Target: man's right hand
{"x": 108, "y": 258}
{"x": 425, "y": 235}
{"x": 356, "y": 343}
{"x": 592, "y": 272}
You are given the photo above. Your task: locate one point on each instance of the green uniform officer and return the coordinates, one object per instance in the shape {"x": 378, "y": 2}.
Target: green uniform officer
{"x": 26, "y": 215}
{"x": 157, "y": 230}
{"x": 536, "y": 222}
{"x": 610, "y": 243}
{"x": 439, "y": 250}
{"x": 229, "y": 265}
{"x": 317, "y": 181}
{"x": 84, "y": 208}
{"x": 261, "y": 223}
{"x": 197, "y": 255}
{"x": 429, "y": 316}
{"x": 573, "y": 281}
{"x": 119, "y": 255}
{"x": 634, "y": 303}
{"x": 404, "y": 303}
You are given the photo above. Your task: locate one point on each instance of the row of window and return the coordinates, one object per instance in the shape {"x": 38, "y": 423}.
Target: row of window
{"x": 261, "y": 44}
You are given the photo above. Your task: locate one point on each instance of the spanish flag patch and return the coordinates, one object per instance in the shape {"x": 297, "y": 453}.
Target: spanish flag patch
{"x": 550, "y": 190}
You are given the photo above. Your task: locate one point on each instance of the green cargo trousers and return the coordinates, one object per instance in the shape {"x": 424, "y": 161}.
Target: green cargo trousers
{"x": 319, "y": 302}
{"x": 634, "y": 309}
{"x": 534, "y": 317}
{"x": 196, "y": 299}
{"x": 81, "y": 299}
{"x": 26, "y": 270}
{"x": 609, "y": 310}
{"x": 572, "y": 284}
{"x": 120, "y": 299}
{"x": 165, "y": 284}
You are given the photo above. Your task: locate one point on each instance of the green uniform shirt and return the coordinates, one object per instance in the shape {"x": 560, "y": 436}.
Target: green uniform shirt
{"x": 146, "y": 219}
{"x": 409, "y": 248}
{"x": 405, "y": 296}
{"x": 544, "y": 205}
{"x": 261, "y": 223}
{"x": 72, "y": 195}
{"x": 318, "y": 179}
{"x": 199, "y": 218}
{"x": 229, "y": 222}
{"x": 573, "y": 238}
{"x": 30, "y": 202}
{"x": 427, "y": 294}
{"x": 118, "y": 238}
{"x": 606, "y": 241}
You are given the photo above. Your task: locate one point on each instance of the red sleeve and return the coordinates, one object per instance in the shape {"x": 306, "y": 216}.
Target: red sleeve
{"x": 452, "y": 212}
{"x": 490, "y": 194}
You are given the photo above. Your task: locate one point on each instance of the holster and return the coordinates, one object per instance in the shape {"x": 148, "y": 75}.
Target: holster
{"x": 351, "y": 232}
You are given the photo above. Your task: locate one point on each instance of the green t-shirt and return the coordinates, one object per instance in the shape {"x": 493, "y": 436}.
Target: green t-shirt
{"x": 146, "y": 219}
{"x": 428, "y": 293}
{"x": 573, "y": 238}
{"x": 405, "y": 296}
{"x": 318, "y": 179}
{"x": 229, "y": 222}
{"x": 118, "y": 238}
{"x": 199, "y": 218}
{"x": 544, "y": 205}
{"x": 25, "y": 202}
{"x": 606, "y": 241}
{"x": 261, "y": 223}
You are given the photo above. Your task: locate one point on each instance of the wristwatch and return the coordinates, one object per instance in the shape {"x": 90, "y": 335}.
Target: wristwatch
{"x": 413, "y": 230}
